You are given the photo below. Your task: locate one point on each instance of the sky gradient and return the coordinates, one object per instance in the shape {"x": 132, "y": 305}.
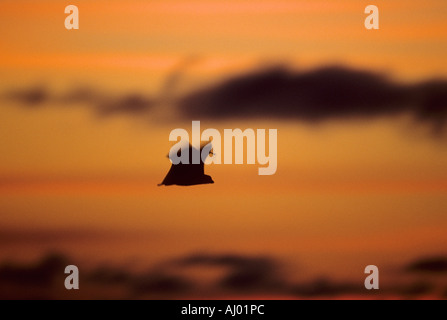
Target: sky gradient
{"x": 86, "y": 114}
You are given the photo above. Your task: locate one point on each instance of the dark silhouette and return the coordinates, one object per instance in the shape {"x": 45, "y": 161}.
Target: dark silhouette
{"x": 429, "y": 265}
{"x": 43, "y": 273}
{"x": 188, "y": 174}
{"x": 312, "y": 96}
{"x": 321, "y": 94}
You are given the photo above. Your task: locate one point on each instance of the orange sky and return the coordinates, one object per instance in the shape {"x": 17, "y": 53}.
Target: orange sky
{"x": 141, "y": 34}
{"x": 349, "y": 192}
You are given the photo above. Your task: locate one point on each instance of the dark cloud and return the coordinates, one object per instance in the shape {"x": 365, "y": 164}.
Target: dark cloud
{"x": 244, "y": 273}
{"x": 161, "y": 284}
{"x": 42, "y": 273}
{"x": 130, "y": 104}
{"x": 317, "y": 95}
{"x": 414, "y": 289}
{"x": 107, "y": 275}
{"x": 155, "y": 282}
{"x": 29, "y": 97}
{"x": 428, "y": 265}
{"x": 105, "y": 103}
{"x": 325, "y": 287}
{"x": 311, "y": 96}
{"x": 102, "y": 104}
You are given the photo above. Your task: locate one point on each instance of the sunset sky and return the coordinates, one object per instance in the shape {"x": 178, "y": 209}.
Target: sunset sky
{"x": 79, "y": 166}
